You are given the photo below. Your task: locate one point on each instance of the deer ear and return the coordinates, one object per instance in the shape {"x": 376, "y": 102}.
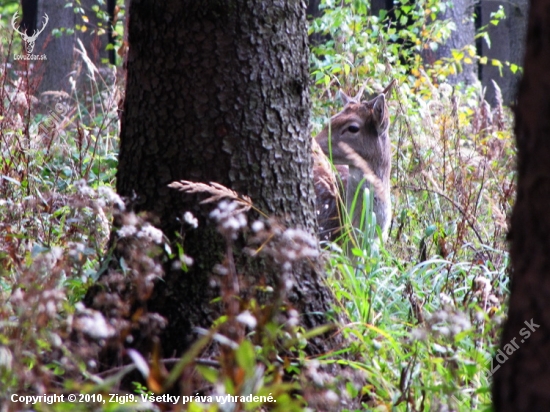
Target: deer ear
{"x": 379, "y": 110}
{"x": 345, "y": 98}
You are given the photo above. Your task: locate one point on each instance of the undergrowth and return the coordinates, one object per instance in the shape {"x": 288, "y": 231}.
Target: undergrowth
{"x": 424, "y": 309}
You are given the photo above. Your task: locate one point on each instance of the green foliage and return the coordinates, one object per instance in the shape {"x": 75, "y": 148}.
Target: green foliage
{"x": 363, "y": 46}
{"x": 57, "y": 166}
{"x": 425, "y": 310}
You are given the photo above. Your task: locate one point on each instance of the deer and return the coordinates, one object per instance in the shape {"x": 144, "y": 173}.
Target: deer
{"x": 29, "y": 40}
{"x": 357, "y": 142}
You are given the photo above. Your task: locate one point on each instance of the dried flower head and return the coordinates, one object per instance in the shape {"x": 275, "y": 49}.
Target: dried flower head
{"x": 230, "y": 219}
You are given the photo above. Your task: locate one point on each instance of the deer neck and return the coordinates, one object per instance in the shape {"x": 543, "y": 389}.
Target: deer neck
{"x": 381, "y": 201}
{"x": 355, "y": 181}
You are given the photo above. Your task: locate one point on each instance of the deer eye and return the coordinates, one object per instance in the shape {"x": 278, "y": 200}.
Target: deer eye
{"x": 353, "y": 129}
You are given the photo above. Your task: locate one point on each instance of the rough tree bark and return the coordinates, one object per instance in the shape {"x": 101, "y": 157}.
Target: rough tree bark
{"x": 217, "y": 91}
{"x": 522, "y": 378}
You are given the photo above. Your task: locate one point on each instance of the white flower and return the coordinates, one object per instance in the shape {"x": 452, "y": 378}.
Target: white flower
{"x": 234, "y": 223}
{"x": 419, "y": 334}
{"x": 246, "y": 318}
{"x": 84, "y": 189}
{"x": 484, "y": 285}
{"x": 220, "y": 269}
{"x": 479, "y": 316}
{"x": 126, "y": 231}
{"x": 94, "y": 325}
{"x": 51, "y": 308}
{"x": 151, "y": 233}
{"x": 445, "y": 299}
{"x": 293, "y": 317}
{"x": 331, "y": 397}
{"x": 188, "y": 260}
{"x": 444, "y": 330}
{"x": 110, "y": 196}
{"x": 439, "y": 348}
{"x": 192, "y": 220}
{"x": 258, "y": 226}
{"x": 445, "y": 89}
{"x": 228, "y": 218}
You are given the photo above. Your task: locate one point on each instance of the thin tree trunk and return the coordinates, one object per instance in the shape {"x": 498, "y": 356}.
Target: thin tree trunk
{"x": 28, "y": 23}
{"x": 55, "y": 71}
{"x": 522, "y": 365}
{"x": 507, "y": 45}
{"x": 461, "y": 13}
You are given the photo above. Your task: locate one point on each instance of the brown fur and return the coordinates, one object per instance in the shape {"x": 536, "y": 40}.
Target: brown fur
{"x": 359, "y": 139}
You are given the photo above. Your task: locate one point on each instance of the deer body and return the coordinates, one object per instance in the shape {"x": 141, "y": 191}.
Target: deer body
{"x": 358, "y": 138}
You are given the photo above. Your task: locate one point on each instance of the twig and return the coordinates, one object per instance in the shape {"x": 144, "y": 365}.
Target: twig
{"x": 456, "y": 205}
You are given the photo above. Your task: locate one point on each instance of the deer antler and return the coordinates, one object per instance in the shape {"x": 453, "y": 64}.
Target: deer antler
{"x": 347, "y": 99}
{"x": 360, "y": 92}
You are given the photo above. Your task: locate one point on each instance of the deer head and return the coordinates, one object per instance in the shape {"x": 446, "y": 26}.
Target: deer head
{"x": 358, "y": 137}
{"x": 29, "y": 40}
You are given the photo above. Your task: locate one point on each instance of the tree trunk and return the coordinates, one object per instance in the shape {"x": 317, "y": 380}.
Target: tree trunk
{"x": 217, "y": 91}
{"x": 461, "y": 13}
{"x": 507, "y": 45}
{"x": 28, "y": 22}
{"x": 522, "y": 366}
{"x": 54, "y": 72}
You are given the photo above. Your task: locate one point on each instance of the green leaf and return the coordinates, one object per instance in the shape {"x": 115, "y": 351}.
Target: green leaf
{"x": 430, "y": 230}
{"x": 318, "y": 331}
{"x": 246, "y": 356}
{"x": 346, "y": 69}
{"x": 210, "y": 374}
